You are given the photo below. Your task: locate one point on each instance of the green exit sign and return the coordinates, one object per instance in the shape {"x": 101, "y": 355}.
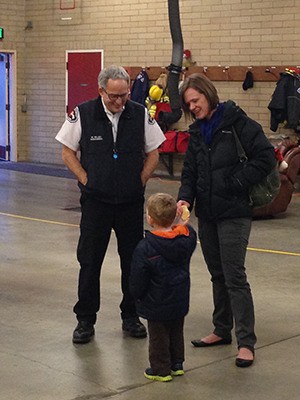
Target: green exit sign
{"x": 1, "y": 33}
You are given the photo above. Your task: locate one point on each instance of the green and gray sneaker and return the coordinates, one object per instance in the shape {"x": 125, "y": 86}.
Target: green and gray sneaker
{"x": 149, "y": 374}
{"x": 177, "y": 369}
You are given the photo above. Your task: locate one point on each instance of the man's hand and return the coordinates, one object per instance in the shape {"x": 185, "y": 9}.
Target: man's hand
{"x": 70, "y": 159}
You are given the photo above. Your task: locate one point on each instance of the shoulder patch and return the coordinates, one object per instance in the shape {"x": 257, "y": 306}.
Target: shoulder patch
{"x": 73, "y": 116}
{"x": 151, "y": 120}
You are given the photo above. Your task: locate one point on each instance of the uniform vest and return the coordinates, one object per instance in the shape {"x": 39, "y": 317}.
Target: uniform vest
{"x": 113, "y": 169}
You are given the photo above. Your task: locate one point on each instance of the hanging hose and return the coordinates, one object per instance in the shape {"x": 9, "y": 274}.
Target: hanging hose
{"x": 175, "y": 67}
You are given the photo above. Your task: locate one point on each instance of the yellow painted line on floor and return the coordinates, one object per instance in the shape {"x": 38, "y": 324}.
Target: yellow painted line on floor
{"x": 38, "y": 220}
{"x": 288, "y": 253}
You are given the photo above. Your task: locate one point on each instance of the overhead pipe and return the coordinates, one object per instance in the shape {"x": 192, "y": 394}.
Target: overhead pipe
{"x": 175, "y": 67}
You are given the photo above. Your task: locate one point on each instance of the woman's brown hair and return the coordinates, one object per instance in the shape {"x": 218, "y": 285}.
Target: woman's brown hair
{"x": 202, "y": 85}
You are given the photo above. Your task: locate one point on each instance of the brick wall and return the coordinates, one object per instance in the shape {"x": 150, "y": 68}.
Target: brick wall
{"x": 135, "y": 32}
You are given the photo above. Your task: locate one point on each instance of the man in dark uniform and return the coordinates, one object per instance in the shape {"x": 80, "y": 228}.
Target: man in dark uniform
{"x": 118, "y": 144}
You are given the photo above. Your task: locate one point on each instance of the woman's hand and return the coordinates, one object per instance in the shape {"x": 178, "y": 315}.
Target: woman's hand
{"x": 181, "y": 203}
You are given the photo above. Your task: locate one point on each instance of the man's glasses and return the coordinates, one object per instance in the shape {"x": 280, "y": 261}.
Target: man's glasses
{"x": 115, "y": 97}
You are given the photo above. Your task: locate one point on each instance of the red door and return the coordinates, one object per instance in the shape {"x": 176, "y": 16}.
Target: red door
{"x": 82, "y": 76}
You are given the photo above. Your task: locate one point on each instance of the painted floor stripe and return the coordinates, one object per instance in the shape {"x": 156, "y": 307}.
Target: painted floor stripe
{"x": 288, "y": 253}
{"x": 38, "y": 220}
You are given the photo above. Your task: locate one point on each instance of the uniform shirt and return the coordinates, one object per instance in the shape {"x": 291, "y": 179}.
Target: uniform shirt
{"x": 70, "y": 132}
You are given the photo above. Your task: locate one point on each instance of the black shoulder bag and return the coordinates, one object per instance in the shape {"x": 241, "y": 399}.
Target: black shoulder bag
{"x": 263, "y": 192}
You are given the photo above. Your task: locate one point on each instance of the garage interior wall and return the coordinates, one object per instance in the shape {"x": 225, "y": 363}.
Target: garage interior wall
{"x": 136, "y": 33}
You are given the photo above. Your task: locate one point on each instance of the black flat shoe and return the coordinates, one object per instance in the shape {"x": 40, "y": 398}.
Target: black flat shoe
{"x": 200, "y": 343}
{"x": 242, "y": 363}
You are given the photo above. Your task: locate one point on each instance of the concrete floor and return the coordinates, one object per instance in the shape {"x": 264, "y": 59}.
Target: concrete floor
{"x": 39, "y": 219}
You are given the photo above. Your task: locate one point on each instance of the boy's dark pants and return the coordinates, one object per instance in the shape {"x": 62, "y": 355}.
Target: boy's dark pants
{"x": 166, "y": 345}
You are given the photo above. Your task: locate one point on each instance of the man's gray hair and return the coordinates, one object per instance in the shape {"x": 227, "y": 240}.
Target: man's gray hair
{"x": 113, "y": 72}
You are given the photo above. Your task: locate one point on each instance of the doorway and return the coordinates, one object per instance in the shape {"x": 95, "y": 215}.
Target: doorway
{"x": 8, "y": 144}
{"x": 82, "y": 70}
{"x": 4, "y": 107}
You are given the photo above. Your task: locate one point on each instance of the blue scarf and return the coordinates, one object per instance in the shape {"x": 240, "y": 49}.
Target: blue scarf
{"x": 208, "y": 127}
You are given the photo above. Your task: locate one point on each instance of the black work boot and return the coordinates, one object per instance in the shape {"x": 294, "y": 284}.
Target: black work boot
{"x": 83, "y": 332}
{"x": 133, "y": 327}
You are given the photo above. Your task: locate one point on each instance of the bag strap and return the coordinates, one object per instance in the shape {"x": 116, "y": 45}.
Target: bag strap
{"x": 240, "y": 150}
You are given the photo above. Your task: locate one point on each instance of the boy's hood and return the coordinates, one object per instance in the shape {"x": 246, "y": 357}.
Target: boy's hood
{"x": 174, "y": 245}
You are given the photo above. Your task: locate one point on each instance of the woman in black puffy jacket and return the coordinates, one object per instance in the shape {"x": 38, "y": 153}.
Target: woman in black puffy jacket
{"x": 218, "y": 183}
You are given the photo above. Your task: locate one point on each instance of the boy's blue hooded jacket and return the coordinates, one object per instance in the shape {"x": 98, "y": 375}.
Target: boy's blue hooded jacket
{"x": 160, "y": 274}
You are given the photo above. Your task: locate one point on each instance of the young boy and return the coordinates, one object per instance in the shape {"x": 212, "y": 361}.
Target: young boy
{"x": 160, "y": 284}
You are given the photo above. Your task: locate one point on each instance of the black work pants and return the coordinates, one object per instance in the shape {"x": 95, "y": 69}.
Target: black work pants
{"x": 224, "y": 245}
{"x": 97, "y": 221}
{"x": 166, "y": 345}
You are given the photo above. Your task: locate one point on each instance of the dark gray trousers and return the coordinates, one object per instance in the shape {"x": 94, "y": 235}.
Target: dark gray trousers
{"x": 224, "y": 245}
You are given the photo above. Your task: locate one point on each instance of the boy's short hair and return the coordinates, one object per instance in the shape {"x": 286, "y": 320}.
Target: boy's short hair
{"x": 162, "y": 208}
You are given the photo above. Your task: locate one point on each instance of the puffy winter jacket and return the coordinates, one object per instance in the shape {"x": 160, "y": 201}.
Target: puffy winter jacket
{"x": 285, "y": 103}
{"x": 160, "y": 276}
{"x": 213, "y": 177}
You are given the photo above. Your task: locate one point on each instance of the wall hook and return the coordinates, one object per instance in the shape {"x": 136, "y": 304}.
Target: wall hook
{"x": 271, "y": 70}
